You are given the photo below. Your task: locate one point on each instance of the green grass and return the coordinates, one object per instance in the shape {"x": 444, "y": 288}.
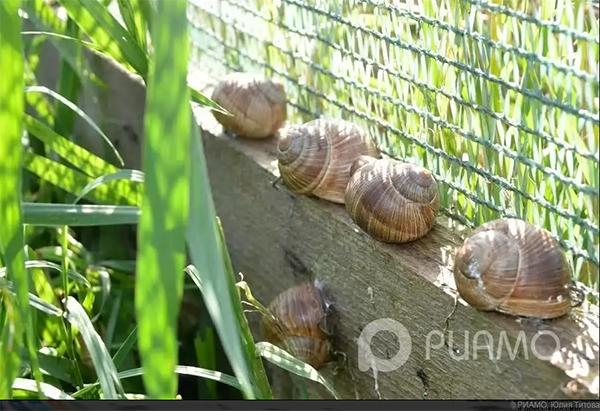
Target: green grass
{"x": 498, "y": 101}
{"x": 82, "y": 315}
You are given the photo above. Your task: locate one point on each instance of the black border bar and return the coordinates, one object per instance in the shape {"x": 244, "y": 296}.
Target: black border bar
{"x": 370, "y": 405}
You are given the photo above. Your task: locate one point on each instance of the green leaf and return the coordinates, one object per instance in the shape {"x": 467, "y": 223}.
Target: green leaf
{"x": 80, "y": 112}
{"x": 55, "y": 366}
{"x": 205, "y": 251}
{"x": 74, "y": 181}
{"x": 46, "y": 20}
{"x": 58, "y": 215}
{"x": 202, "y": 100}
{"x": 125, "y": 348}
{"x": 106, "y": 287}
{"x": 33, "y": 300}
{"x": 69, "y": 86}
{"x": 283, "y": 359}
{"x": 47, "y": 264}
{"x": 106, "y": 31}
{"x": 103, "y": 364}
{"x": 12, "y": 105}
{"x": 49, "y": 391}
{"x": 84, "y": 43}
{"x": 118, "y": 359}
{"x": 185, "y": 370}
{"x": 129, "y": 175}
{"x": 133, "y": 16}
{"x": 161, "y": 246}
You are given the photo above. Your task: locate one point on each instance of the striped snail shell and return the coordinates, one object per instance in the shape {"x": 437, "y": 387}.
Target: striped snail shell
{"x": 301, "y": 325}
{"x": 315, "y": 158}
{"x": 257, "y": 104}
{"x": 513, "y": 267}
{"x": 392, "y": 201}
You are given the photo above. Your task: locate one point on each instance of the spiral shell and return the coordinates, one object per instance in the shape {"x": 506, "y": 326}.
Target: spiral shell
{"x": 513, "y": 267}
{"x": 257, "y": 104}
{"x": 392, "y": 201}
{"x": 301, "y": 312}
{"x": 315, "y": 158}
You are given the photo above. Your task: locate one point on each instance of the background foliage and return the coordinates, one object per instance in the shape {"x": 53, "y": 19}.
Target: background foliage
{"x": 498, "y": 98}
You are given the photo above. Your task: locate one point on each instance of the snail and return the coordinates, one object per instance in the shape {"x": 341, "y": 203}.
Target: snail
{"x": 301, "y": 327}
{"x": 392, "y": 201}
{"x": 315, "y": 158}
{"x": 257, "y": 104}
{"x": 513, "y": 267}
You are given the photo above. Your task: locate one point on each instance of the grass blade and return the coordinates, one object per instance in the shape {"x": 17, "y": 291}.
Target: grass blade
{"x": 118, "y": 359}
{"x": 202, "y": 100}
{"x": 260, "y": 376}
{"x": 103, "y": 364}
{"x": 55, "y": 366}
{"x": 73, "y": 181}
{"x": 47, "y": 264}
{"x": 283, "y": 359}
{"x": 124, "y": 349}
{"x": 106, "y": 287}
{"x": 64, "y": 37}
{"x": 131, "y": 11}
{"x": 46, "y": 20}
{"x": 34, "y": 301}
{"x": 58, "y": 215}
{"x": 129, "y": 175}
{"x": 69, "y": 86}
{"x": 161, "y": 247}
{"x": 182, "y": 370}
{"x": 193, "y": 371}
{"x": 105, "y": 30}
{"x": 12, "y": 106}
{"x": 81, "y": 158}
{"x": 205, "y": 252}
{"x": 66, "y": 102}
{"x": 49, "y": 391}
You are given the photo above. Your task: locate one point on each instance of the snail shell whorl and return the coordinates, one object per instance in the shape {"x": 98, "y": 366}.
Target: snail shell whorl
{"x": 300, "y": 329}
{"x": 513, "y": 267}
{"x": 392, "y": 201}
{"x": 257, "y": 103}
{"x": 315, "y": 158}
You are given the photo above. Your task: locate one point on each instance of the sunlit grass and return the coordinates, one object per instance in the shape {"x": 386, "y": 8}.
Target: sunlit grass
{"x": 97, "y": 311}
{"x": 496, "y": 100}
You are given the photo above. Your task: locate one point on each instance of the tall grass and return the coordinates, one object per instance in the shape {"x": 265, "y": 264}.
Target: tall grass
{"x": 81, "y": 318}
{"x": 499, "y": 101}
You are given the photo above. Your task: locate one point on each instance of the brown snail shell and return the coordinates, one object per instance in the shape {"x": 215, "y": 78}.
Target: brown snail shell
{"x": 315, "y": 158}
{"x": 513, "y": 267}
{"x": 257, "y": 104}
{"x": 301, "y": 328}
{"x": 392, "y": 201}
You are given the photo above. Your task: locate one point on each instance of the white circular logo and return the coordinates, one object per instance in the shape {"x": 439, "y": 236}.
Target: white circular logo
{"x": 366, "y": 358}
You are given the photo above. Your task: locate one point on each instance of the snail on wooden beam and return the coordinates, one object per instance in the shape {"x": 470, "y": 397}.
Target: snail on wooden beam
{"x": 301, "y": 327}
{"x": 513, "y": 267}
{"x": 315, "y": 158}
{"x": 392, "y": 201}
{"x": 257, "y": 104}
